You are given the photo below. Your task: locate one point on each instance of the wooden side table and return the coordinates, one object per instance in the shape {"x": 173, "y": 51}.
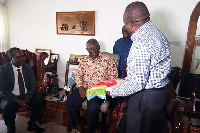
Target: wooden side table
{"x": 56, "y": 112}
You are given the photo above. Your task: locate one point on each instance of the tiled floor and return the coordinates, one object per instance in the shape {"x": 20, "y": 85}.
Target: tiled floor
{"x": 51, "y": 127}
{"x": 21, "y": 125}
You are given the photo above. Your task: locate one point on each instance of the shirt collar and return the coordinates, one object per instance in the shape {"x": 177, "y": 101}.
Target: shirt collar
{"x": 15, "y": 68}
{"x": 141, "y": 30}
{"x": 100, "y": 56}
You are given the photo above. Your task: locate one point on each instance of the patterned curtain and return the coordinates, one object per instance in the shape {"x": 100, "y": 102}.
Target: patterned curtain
{"x": 4, "y": 40}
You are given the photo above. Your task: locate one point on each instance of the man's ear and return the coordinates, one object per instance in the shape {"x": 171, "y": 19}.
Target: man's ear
{"x": 131, "y": 27}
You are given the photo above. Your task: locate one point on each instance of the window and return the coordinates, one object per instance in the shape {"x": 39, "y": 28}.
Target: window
{"x": 4, "y": 42}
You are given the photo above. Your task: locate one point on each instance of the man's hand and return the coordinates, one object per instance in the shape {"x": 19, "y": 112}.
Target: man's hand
{"x": 118, "y": 80}
{"x": 23, "y": 105}
{"x": 108, "y": 93}
{"x": 82, "y": 92}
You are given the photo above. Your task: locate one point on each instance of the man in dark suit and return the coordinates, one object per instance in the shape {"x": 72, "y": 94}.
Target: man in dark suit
{"x": 18, "y": 91}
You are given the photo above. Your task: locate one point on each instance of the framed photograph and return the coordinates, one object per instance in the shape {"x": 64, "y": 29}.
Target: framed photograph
{"x": 76, "y": 58}
{"x": 71, "y": 69}
{"x": 54, "y": 58}
{"x": 46, "y": 61}
{"x": 76, "y": 23}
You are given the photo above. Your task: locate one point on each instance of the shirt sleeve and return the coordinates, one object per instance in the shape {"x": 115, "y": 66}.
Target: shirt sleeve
{"x": 5, "y": 89}
{"x": 138, "y": 72}
{"x": 79, "y": 75}
{"x": 112, "y": 69}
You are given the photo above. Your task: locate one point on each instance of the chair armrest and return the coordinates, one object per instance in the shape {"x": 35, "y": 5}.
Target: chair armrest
{"x": 175, "y": 105}
{"x": 117, "y": 113}
{"x": 40, "y": 65}
{"x": 40, "y": 71}
{"x": 174, "y": 109}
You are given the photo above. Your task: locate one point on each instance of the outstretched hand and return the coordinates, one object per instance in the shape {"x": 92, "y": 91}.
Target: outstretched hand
{"x": 23, "y": 105}
{"x": 82, "y": 92}
{"x": 118, "y": 80}
{"x": 108, "y": 93}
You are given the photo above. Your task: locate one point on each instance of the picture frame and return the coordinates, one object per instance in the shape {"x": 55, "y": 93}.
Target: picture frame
{"x": 54, "y": 58}
{"x": 71, "y": 69}
{"x": 46, "y": 61}
{"x": 75, "y": 58}
{"x": 76, "y": 23}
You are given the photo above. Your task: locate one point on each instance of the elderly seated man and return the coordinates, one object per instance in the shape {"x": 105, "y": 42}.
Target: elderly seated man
{"x": 94, "y": 68}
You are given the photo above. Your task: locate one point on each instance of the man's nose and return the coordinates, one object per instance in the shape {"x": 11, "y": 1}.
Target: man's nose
{"x": 22, "y": 58}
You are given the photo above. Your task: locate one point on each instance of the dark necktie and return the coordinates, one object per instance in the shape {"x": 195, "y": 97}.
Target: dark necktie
{"x": 21, "y": 85}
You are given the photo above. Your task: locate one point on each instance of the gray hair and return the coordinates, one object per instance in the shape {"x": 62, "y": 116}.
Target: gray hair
{"x": 93, "y": 41}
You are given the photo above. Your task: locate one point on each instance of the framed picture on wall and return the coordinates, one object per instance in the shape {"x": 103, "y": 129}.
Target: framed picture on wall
{"x": 76, "y": 23}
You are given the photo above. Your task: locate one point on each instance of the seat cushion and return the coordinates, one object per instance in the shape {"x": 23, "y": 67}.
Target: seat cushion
{"x": 114, "y": 56}
{"x": 104, "y": 106}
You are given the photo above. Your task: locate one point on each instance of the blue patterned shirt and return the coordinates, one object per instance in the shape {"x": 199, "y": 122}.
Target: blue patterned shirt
{"x": 122, "y": 48}
{"x": 148, "y": 62}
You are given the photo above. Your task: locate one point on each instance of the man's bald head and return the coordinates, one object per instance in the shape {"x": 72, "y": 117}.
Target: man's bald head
{"x": 136, "y": 12}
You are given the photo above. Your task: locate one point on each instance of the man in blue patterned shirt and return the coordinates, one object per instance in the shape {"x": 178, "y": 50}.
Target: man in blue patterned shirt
{"x": 148, "y": 66}
{"x": 122, "y": 47}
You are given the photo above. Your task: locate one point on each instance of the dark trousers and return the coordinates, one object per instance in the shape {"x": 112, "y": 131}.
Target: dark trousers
{"x": 74, "y": 102}
{"x": 146, "y": 111}
{"x": 10, "y": 108}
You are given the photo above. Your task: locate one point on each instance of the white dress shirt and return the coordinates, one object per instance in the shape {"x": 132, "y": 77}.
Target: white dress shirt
{"x": 16, "y": 85}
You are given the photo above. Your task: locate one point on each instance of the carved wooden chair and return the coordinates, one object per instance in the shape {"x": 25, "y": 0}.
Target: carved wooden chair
{"x": 105, "y": 105}
{"x": 34, "y": 60}
{"x": 193, "y": 105}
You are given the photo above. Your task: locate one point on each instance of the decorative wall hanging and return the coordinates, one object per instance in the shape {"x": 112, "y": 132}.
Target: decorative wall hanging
{"x": 76, "y": 23}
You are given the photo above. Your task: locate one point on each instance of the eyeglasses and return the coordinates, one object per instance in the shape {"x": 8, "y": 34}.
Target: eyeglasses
{"x": 141, "y": 20}
{"x": 20, "y": 57}
{"x": 93, "y": 48}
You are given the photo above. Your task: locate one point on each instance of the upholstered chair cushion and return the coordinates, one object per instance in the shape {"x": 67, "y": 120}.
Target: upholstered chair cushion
{"x": 104, "y": 106}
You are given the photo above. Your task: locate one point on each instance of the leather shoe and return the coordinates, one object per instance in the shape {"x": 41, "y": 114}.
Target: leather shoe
{"x": 11, "y": 130}
{"x": 35, "y": 127}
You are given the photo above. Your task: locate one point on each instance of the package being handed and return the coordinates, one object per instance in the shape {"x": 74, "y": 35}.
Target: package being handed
{"x": 99, "y": 89}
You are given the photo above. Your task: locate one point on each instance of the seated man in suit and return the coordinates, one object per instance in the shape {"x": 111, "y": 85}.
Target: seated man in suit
{"x": 94, "y": 68}
{"x": 18, "y": 90}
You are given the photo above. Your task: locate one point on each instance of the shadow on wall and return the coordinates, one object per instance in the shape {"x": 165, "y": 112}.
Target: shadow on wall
{"x": 160, "y": 19}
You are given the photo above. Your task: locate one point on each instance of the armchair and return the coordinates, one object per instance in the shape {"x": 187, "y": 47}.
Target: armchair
{"x": 105, "y": 105}
{"x": 34, "y": 60}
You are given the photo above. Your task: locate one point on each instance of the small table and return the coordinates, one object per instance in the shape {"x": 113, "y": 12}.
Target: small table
{"x": 55, "y": 111}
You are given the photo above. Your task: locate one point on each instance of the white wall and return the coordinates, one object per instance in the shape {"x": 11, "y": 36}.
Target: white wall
{"x": 2, "y": 1}
{"x": 32, "y": 24}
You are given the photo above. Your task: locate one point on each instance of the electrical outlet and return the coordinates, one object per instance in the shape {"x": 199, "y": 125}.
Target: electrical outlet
{"x": 175, "y": 43}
